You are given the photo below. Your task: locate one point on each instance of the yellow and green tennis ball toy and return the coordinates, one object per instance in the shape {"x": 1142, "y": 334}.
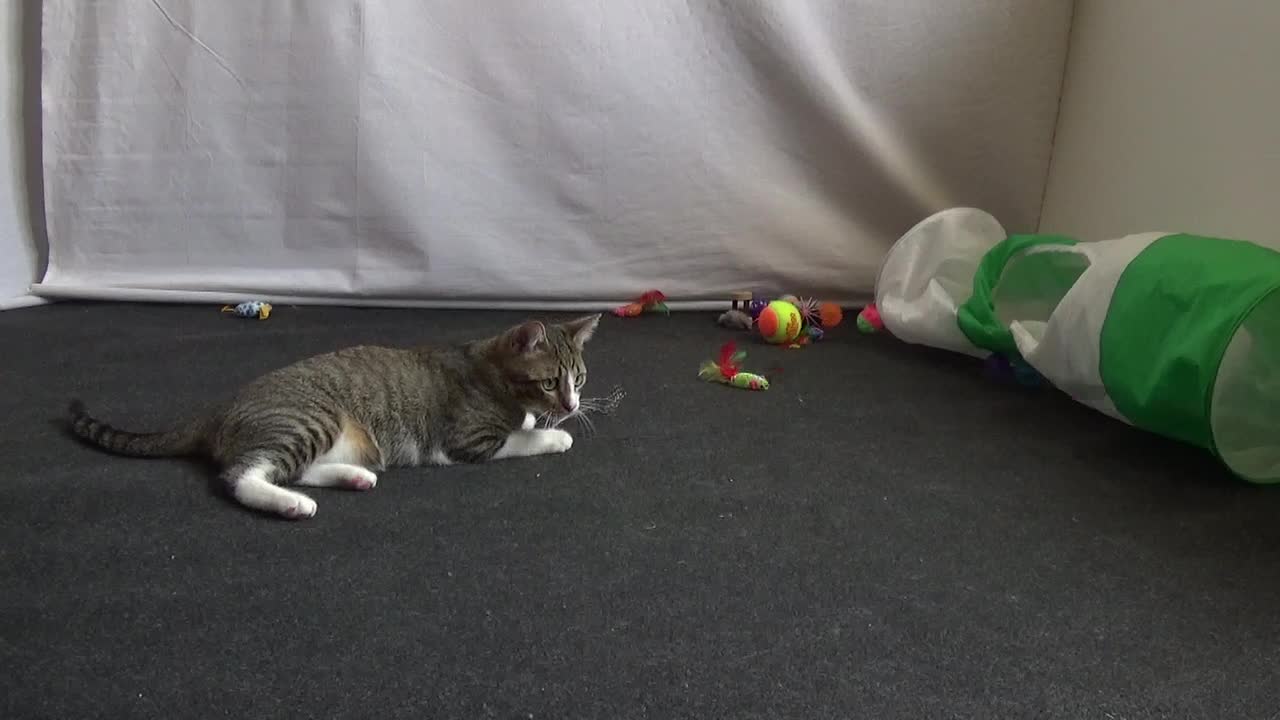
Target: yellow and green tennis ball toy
{"x": 779, "y": 322}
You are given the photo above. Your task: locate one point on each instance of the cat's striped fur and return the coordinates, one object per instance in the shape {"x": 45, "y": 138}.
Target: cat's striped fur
{"x": 334, "y": 420}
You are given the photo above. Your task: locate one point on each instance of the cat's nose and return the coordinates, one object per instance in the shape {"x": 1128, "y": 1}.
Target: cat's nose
{"x": 569, "y": 405}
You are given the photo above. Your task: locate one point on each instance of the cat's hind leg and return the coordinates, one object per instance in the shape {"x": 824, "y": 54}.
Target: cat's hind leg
{"x": 345, "y": 463}
{"x": 338, "y": 475}
{"x": 253, "y": 480}
{"x": 292, "y": 447}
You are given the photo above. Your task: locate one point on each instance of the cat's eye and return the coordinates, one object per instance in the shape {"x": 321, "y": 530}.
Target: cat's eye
{"x": 580, "y": 380}
{"x": 549, "y": 384}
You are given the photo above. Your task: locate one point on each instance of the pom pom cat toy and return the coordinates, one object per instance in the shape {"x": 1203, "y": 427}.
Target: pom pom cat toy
{"x": 869, "y": 320}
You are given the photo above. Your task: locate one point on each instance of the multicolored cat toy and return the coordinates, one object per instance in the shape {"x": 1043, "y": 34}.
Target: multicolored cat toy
{"x": 790, "y": 321}
{"x": 727, "y": 370}
{"x": 251, "y": 309}
{"x": 653, "y": 301}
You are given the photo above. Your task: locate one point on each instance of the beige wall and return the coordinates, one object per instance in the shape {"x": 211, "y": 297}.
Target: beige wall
{"x": 1170, "y": 120}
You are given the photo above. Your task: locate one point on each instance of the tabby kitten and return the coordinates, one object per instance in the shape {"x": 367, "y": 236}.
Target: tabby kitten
{"x": 334, "y": 419}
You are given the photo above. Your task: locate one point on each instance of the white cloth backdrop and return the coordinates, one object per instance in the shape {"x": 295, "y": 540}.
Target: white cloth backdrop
{"x": 532, "y": 150}
{"x": 19, "y": 253}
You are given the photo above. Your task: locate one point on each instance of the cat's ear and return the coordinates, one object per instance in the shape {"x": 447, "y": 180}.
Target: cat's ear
{"x": 524, "y": 339}
{"x": 582, "y": 329}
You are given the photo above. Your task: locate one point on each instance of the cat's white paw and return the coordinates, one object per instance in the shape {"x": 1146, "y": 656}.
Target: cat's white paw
{"x": 526, "y": 443}
{"x": 557, "y": 441}
{"x": 529, "y": 422}
{"x": 299, "y": 508}
{"x": 339, "y": 475}
{"x": 361, "y": 479}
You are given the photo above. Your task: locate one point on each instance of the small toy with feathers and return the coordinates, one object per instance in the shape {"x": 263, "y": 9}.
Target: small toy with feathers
{"x": 653, "y": 301}
{"x": 728, "y": 370}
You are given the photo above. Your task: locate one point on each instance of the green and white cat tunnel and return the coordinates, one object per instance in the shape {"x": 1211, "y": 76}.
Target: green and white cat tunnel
{"x": 1173, "y": 333}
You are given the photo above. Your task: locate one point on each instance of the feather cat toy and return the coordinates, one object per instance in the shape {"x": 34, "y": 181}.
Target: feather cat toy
{"x": 653, "y": 301}
{"x": 728, "y": 370}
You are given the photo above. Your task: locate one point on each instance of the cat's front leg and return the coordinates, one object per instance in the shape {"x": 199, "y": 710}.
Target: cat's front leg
{"x": 526, "y": 443}
{"x": 496, "y": 443}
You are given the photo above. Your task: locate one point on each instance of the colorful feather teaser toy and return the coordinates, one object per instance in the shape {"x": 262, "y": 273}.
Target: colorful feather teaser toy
{"x": 728, "y": 370}
{"x": 653, "y": 301}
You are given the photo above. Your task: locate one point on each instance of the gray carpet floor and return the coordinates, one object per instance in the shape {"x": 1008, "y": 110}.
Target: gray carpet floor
{"x": 884, "y": 534}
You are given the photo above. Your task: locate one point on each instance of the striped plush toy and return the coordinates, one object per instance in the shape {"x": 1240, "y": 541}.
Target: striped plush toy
{"x": 251, "y": 309}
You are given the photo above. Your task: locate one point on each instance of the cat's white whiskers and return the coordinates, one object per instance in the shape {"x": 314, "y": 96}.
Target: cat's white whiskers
{"x": 588, "y": 425}
{"x": 587, "y": 406}
{"x": 565, "y": 418}
{"x": 582, "y": 416}
{"x": 606, "y": 404}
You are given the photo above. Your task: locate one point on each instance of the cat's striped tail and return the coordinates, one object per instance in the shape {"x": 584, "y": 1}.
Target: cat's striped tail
{"x": 183, "y": 441}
